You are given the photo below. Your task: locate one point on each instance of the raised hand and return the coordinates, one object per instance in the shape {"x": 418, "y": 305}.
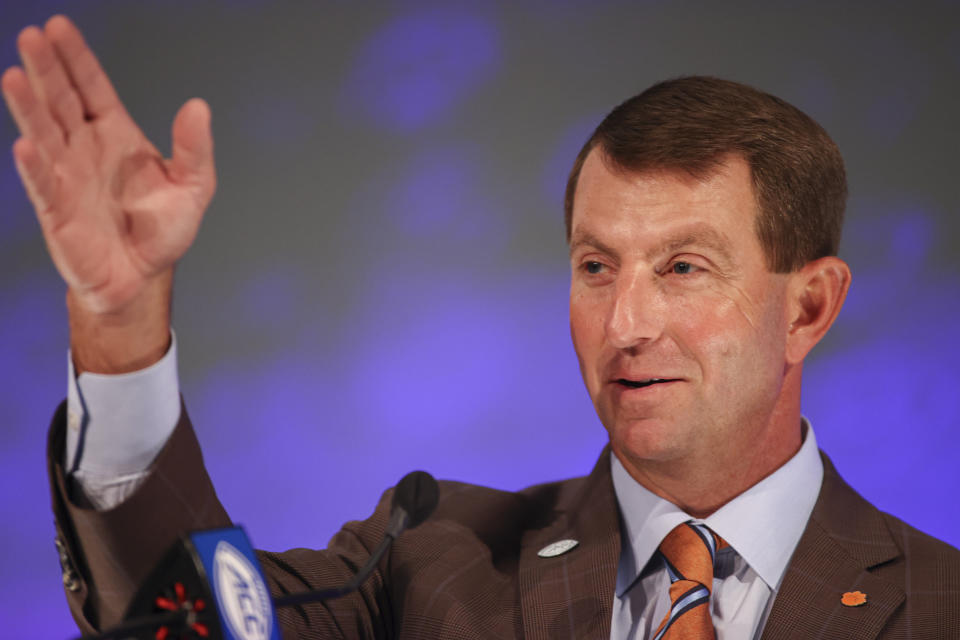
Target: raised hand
{"x": 115, "y": 214}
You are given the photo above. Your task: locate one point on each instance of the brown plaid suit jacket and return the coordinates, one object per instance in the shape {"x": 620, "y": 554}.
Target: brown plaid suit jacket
{"x": 472, "y": 570}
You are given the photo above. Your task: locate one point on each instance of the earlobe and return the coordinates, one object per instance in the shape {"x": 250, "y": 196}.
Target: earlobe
{"x": 817, "y": 292}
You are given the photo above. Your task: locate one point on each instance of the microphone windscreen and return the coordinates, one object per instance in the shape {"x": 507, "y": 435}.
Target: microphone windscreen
{"x": 417, "y": 493}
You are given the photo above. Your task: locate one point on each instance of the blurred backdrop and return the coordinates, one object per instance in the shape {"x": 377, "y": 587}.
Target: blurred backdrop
{"x": 382, "y": 277}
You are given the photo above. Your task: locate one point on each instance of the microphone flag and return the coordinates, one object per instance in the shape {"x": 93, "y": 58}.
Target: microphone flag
{"x": 211, "y": 584}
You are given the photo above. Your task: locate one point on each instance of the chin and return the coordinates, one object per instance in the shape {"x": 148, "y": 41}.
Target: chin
{"x": 648, "y": 439}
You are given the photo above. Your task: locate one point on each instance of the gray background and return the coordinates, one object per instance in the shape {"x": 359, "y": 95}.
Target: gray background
{"x": 382, "y": 276}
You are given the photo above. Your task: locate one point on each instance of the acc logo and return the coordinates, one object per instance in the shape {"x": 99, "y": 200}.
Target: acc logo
{"x": 241, "y": 594}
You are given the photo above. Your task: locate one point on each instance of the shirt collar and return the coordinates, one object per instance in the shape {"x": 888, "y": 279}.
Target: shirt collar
{"x": 762, "y": 524}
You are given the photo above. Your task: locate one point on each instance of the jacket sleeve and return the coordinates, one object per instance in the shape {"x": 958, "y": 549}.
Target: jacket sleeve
{"x": 106, "y": 555}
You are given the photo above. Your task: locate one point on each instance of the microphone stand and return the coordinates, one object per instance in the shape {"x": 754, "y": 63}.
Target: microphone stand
{"x": 191, "y": 564}
{"x": 400, "y": 520}
{"x": 294, "y": 599}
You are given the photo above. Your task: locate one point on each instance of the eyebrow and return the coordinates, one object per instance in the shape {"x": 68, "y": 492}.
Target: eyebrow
{"x": 702, "y": 236}
{"x": 695, "y": 235}
{"x": 586, "y": 238}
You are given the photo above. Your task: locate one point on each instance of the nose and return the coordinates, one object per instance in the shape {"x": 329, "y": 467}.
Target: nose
{"x": 637, "y": 314}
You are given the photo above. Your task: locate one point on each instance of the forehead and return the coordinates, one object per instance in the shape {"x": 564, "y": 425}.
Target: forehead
{"x": 650, "y": 205}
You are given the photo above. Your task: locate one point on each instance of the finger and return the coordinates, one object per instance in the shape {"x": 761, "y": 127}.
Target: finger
{"x": 32, "y": 118}
{"x": 93, "y": 86}
{"x": 49, "y": 79}
{"x": 192, "y": 160}
{"x": 36, "y": 176}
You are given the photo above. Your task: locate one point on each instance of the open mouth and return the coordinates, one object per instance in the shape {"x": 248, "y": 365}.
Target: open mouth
{"x": 639, "y": 384}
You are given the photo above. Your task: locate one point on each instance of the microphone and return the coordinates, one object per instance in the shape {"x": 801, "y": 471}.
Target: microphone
{"x": 211, "y": 586}
{"x": 414, "y": 499}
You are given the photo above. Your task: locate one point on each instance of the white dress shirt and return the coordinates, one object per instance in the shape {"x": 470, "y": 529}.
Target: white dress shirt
{"x": 117, "y": 424}
{"x": 762, "y": 525}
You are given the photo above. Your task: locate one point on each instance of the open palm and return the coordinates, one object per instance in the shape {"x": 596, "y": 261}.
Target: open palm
{"x": 115, "y": 214}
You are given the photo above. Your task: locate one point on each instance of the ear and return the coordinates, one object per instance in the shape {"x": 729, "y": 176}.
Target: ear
{"x": 816, "y": 294}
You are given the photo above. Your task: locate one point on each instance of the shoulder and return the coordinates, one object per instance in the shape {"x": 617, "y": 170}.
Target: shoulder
{"x": 928, "y": 572}
{"x": 924, "y": 569}
{"x": 851, "y": 517}
{"x": 473, "y": 541}
{"x": 475, "y": 506}
{"x": 479, "y": 508}
{"x": 924, "y": 552}
{"x": 548, "y": 494}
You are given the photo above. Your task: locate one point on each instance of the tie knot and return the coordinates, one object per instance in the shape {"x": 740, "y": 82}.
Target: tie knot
{"x": 690, "y": 551}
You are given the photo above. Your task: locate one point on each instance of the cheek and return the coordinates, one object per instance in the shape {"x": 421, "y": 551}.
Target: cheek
{"x": 585, "y": 330}
{"x": 586, "y": 315}
{"x": 718, "y": 333}
{"x": 707, "y": 326}
{"x": 744, "y": 341}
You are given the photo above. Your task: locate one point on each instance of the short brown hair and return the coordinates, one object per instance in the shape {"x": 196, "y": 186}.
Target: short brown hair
{"x": 691, "y": 123}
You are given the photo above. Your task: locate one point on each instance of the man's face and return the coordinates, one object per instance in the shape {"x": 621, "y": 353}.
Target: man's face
{"x": 678, "y": 325}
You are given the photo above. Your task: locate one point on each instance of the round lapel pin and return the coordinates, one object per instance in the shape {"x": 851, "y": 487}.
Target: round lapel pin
{"x": 557, "y": 548}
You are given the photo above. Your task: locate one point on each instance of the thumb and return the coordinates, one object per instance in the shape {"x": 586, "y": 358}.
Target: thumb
{"x": 192, "y": 160}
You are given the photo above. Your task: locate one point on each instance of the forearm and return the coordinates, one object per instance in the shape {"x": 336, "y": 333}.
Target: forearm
{"x": 113, "y": 550}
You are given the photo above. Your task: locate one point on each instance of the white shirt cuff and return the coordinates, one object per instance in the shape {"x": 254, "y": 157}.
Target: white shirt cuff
{"x": 117, "y": 424}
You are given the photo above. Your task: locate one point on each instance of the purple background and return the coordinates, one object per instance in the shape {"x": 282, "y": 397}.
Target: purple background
{"x": 381, "y": 281}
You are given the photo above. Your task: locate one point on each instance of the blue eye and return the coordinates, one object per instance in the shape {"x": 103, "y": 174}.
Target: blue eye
{"x": 682, "y": 267}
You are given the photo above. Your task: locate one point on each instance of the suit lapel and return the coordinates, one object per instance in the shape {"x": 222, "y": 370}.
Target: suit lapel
{"x": 844, "y": 539}
{"x": 571, "y": 595}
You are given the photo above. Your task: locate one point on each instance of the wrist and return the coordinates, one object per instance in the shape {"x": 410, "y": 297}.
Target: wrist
{"x": 126, "y": 339}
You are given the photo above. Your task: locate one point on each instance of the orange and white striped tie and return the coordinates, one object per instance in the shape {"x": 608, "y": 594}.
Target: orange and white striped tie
{"x": 689, "y": 551}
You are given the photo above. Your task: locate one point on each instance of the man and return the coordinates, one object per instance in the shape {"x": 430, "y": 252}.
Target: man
{"x": 703, "y": 219}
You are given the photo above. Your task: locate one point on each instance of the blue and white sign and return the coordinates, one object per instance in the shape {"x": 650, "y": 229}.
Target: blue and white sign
{"x": 243, "y": 600}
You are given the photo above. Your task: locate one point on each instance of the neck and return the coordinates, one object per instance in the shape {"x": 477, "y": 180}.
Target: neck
{"x": 704, "y": 481}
